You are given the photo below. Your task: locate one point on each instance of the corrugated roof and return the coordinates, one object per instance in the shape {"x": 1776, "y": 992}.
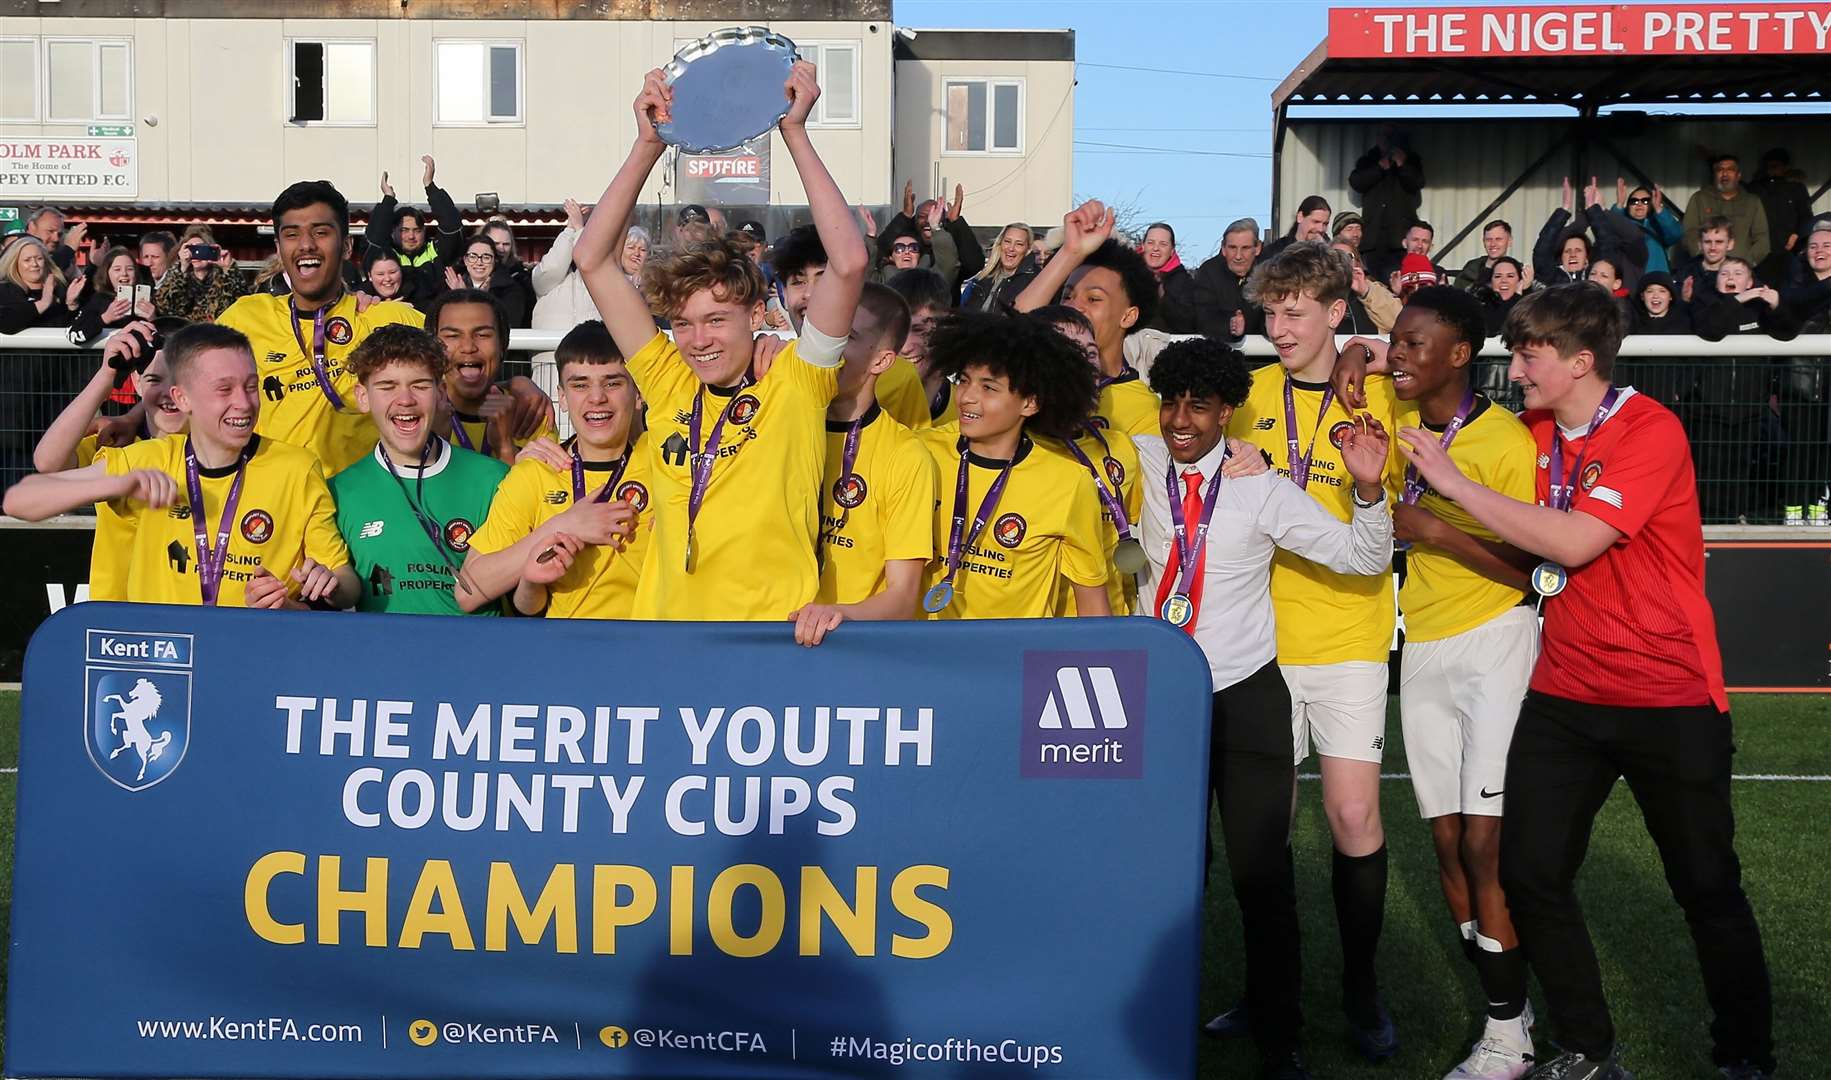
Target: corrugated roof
{"x": 1325, "y": 80}
{"x": 261, "y": 213}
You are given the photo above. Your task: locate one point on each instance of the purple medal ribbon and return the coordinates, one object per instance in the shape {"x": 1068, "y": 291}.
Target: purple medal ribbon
{"x": 210, "y": 561}
{"x": 1563, "y": 485}
{"x": 1190, "y": 551}
{"x": 1109, "y": 496}
{"x": 316, "y": 352}
{"x": 1126, "y": 371}
{"x": 703, "y": 460}
{"x": 1300, "y": 467}
{"x": 959, "y": 539}
{"x": 848, "y": 457}
{"x": 462, "y": 437}
{"x": 418, "y": 505}
{"x": 578, "y": 475}
{"x": 1415, "y": 487}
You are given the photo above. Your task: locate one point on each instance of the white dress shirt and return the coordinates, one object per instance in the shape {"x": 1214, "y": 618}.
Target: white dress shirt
{"x": 1252, "y": 517}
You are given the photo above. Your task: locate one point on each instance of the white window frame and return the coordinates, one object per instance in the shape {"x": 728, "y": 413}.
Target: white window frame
{"x": 291, "y": 91}
{"x": 95, "y": 79}
{"x": 819, "y": 119}
{"x": 991, "y": 124}
{"x": 521, "y": 83}
{"x": 39, "y": 74}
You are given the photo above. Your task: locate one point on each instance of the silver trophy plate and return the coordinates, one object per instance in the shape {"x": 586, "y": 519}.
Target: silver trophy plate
{"x": 728, "y": 88}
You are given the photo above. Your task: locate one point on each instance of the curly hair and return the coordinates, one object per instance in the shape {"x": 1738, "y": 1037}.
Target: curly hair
{"x": 1038, "y": 361}
{"x": 798, "y": 252}
{"x": 1139, "y": 282}
{"x": 714, "y": 265}
{"x": 1307, "y": 268}
{"x": 1456, "y": 309}
{"x": 397, "y": 343}
{"x": 1201, "y": 367}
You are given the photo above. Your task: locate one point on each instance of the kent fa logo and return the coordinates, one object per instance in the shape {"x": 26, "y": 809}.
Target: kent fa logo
{"x": 1083, "y": 716}
{"x": 138, "y": 699}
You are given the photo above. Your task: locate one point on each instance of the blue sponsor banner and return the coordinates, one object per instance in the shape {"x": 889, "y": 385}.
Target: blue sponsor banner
{"x": 259, "y": 844}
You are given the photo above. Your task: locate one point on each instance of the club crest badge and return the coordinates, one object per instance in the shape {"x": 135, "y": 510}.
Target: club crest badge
{"x": 138, "y": 700}
{"x": 257, "y": 526}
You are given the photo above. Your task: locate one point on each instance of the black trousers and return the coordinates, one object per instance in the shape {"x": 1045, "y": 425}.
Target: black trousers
{"x": 1563, "y": 762}
{"x": 1250, "y": 775}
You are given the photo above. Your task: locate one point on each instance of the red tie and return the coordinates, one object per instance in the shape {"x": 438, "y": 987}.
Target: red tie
{"x": 1192, "y": 516}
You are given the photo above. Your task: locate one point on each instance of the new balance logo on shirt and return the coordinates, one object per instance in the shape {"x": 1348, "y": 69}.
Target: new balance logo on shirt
{"x": 369, "y": 530}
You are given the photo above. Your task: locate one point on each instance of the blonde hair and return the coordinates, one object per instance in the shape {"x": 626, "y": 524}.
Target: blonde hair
{"x": 715, "y": 265}
{"x": 994, "y": 271}
{"x": 9, "y": 262}
{"x": 1309, "y": 267}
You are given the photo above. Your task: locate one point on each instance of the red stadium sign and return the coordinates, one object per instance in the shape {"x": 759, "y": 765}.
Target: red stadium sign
{"x": 1577, "y": 30}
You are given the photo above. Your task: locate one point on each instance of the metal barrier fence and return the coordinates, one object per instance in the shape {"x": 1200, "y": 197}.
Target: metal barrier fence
{"x": 1758, "y": 411}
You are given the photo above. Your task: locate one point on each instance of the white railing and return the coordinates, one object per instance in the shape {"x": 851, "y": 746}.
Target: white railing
{"x": 49, "y": 339}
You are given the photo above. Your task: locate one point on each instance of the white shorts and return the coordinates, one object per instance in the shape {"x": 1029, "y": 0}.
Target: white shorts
{"x": 1338, "y": 708}
{"x": 1459, "y": 698}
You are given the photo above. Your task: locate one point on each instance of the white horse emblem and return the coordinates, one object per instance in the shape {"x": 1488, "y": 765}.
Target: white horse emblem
{"x": 140, "y": 705}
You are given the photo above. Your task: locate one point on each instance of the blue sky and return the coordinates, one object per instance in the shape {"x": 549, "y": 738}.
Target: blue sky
{"x": 1173, "y": 106}
{"x": 1197, "y": 117}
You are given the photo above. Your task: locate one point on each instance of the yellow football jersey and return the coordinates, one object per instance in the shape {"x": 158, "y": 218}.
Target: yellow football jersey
{"x": 1442, "y": 597}
{"x": 294, "y": 408}
{"x": 1323, "y": 617}
{"x": 601, "y": 582}
{"x": 1046, "y": 527}
{"x": 477, "y": 433}
{"x": 1127, "y": 406}
{"x": 753, "y": 541}
{"x": 114, "y": 535}
{"x": 1117, "y": 461}
{"x": 901, "y": 393}
{"x": 284, "y": 514}
{"x": 886, "y": 513}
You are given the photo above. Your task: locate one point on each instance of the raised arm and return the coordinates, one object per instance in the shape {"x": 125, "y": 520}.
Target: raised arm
{"x": 625, "y": 311}
{"x": 1086, "y": 227}
{"x": 56, "y": 449}
{"x": 380, "y": 231}
{"x": 557, "y": 262}
{"x": 835, "y": 295}
{"x": 444, "y": 211}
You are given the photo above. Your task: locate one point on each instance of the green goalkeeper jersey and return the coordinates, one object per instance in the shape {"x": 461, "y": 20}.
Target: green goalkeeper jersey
{"x": 408, "y": 528}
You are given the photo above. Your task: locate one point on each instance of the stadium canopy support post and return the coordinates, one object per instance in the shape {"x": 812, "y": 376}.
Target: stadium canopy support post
{"x": 1518, "y": 182}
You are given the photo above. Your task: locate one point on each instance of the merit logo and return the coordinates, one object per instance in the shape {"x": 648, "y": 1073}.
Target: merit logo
{"x": 1083, "y": 715}
{"x": 138, "y": 720}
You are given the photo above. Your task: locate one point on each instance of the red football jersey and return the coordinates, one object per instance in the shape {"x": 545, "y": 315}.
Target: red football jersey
{"x": 1632, "y": 627}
